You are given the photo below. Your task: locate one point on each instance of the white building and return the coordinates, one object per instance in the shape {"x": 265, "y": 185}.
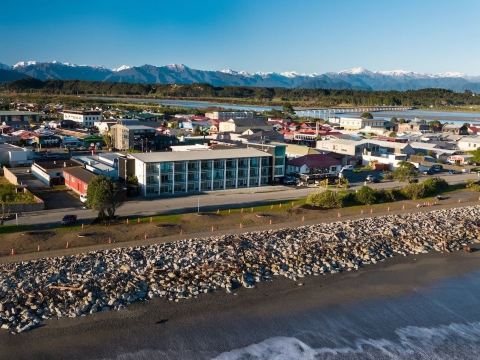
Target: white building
{"x": 180, "y": 172}
{"x": 12, "y": 156}
{"x": 361, "y": 123}
{"x": 469, "y": 143}
{"x": 86, "y": 118}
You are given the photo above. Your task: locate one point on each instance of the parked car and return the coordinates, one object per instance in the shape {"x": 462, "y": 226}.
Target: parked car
{"x": 69, "y": 220}
{"x": 347, "y": 167}
{"x": 412, "y": 180}
{"x": 453, "y": 172}
{"x": 437, "y": 168}
{"x": 372, "y": 179}
{"x": 428, "y": 172}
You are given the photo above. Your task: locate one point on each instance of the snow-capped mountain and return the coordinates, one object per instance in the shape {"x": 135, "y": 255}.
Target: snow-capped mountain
{"x": 355, "y": 78}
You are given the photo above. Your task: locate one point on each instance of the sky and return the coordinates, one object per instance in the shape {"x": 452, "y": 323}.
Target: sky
{"x": 306, "y": 36}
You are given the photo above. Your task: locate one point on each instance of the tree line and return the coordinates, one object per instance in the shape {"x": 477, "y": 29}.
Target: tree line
{"x": 319, "y": 97}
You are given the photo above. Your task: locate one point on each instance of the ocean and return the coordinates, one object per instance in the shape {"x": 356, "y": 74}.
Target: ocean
{"x": 438, "y": 322}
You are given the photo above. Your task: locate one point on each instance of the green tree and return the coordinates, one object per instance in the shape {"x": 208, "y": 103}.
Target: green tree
{"x": 104, "y": 195}
{"x": 405, "y": 171}
{"x": 392, "y": 134}
{"x": 434, "y": 186}
{"x": 107, "y": 139}
{"x": 414, "y": 191}
{"x": 366, "y": 196}
{"x": 435, "y": 125}
{"x": 367, "y": 115}
{"x": 288, "y": 109}
{"x": 476, "y": 156}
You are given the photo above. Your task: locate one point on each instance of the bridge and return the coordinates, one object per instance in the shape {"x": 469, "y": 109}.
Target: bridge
{"x": 327, "y": 112}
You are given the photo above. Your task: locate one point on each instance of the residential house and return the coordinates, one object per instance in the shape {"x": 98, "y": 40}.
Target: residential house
{"x": 469, "y": 143}
{"x": 415, "y": 126}
{"x": 361, "y": 123}
{"x": 242, "y": 124}
{"x": 314, "y": 164}
{"x": 456, "y": 129}
{"x": 295, "y": 151}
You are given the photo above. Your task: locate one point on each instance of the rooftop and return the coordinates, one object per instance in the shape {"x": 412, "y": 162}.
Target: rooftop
{"x": 80, "y": 173}
{"x": 315, "y": 161}
{"x": 21, "y": 113}
{"x": 199, "y": 155}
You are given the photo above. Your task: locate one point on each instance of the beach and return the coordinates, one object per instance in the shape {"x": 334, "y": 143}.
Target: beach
{"x": 216, "y": 323}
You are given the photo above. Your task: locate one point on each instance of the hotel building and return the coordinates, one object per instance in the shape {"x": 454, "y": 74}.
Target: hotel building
{"x": 173, "y": 173}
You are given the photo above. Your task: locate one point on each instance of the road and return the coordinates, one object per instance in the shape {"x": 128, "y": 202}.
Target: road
{"x": 208, "y": 201}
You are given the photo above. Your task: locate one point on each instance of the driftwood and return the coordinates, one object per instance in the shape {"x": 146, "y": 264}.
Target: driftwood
{"x": 66, "y": 288}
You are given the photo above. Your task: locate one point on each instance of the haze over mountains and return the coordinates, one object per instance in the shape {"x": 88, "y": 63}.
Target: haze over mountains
{"x": 356, "y": 78}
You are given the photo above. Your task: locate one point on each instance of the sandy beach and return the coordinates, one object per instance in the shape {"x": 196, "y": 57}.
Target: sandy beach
{"x": 218, "y": 322}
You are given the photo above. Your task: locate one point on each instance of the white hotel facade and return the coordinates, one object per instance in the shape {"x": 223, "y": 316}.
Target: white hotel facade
{"x": 170, "y": 173}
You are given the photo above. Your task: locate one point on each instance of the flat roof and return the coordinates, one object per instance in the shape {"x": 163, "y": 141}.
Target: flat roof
{"x": 80, "y": 173}
{"x": 199, "y": 155}
{"x": 13, "y": 112}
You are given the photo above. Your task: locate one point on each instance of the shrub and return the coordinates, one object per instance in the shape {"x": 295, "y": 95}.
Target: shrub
{"x": 325, "y": 200}
{"x": 347, "y": 198}
{"x": 434, "y": 186}
{"x": 366, "y": 196}
{"x": 389, "y": 195}
{"x": 413, "y": 191}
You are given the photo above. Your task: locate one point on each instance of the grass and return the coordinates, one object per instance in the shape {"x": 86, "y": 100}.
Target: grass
{"x": 8, "y": 229}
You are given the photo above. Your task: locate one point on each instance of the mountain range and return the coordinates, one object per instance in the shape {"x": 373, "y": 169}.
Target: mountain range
{"x": 355, "y": 79}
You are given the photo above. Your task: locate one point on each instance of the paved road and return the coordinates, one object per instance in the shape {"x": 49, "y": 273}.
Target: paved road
{"x": 208, "y": 201}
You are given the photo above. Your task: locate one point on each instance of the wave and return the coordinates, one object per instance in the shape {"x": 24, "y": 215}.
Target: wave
{"x": 453, "y": 341}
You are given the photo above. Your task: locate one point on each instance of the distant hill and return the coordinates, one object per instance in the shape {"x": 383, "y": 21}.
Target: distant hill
{"x": 10, "y": 75}
{"x": 353, "y": 79}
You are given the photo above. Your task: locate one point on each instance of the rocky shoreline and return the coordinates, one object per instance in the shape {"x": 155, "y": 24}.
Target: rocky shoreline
{"x": 78, "y": 285}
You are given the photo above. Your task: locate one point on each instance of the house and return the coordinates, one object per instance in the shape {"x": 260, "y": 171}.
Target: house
{"x": 456, "y": 129}
{"x": 242, "y": 124}
{"x": 469, "y": 143}
{"x": 182, "y": 172}
{"x": 360, "y": 147}
{"x": 84, "y": 118}
{"x": 51, "y": 172}
{"x": 361, "y": 123}
{"x": 18, "y": 119}
{"x": 254, "y": 135}
{"x": 77, "y": 179}
{"x": 294, "y": 151}
{"x": 416, "y": 125}
{"x": 314, "y": 164}
{"x": 227, "y": 115}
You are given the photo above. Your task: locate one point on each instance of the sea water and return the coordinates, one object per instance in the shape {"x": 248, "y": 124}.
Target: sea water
{"x": 438, "y": 322}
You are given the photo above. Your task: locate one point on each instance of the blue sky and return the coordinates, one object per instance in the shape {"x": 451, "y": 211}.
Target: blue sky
{"x": 252, "y": 35}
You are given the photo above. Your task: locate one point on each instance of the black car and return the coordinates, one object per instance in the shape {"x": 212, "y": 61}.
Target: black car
{"x": 69, "y": 220}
